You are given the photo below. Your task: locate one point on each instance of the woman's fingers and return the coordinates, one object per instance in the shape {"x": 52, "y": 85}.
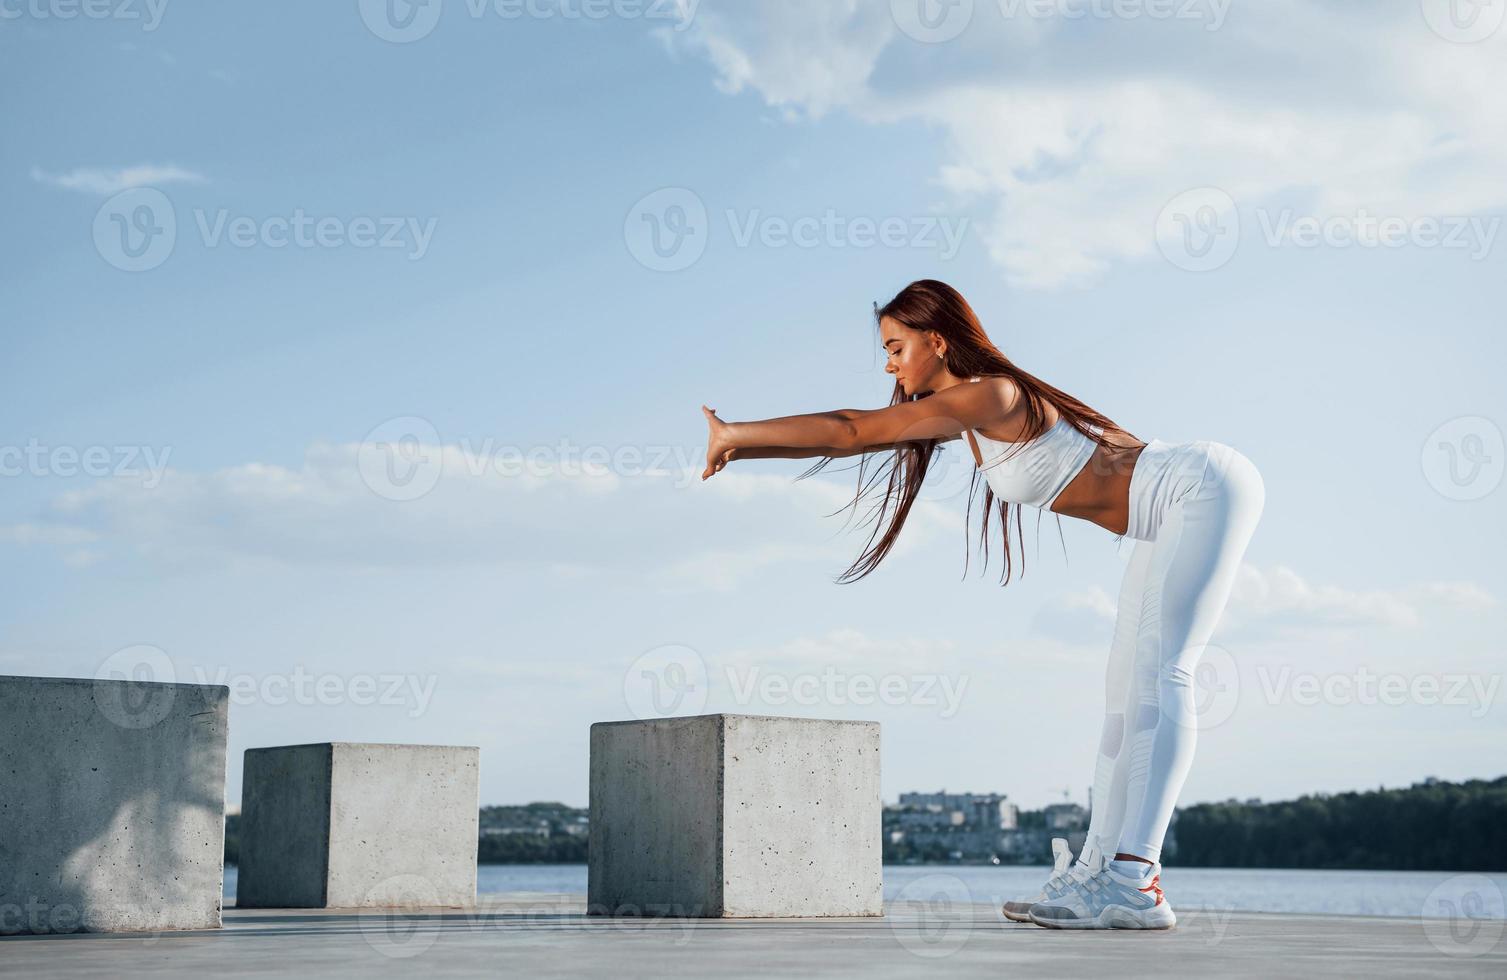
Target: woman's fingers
{"x": 714, "y": 463}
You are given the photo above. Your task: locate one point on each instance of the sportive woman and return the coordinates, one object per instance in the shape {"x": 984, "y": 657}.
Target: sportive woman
{"x": 1191, "y": 508}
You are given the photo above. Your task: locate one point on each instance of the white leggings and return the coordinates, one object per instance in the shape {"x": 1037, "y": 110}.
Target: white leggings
{"x": 1193, "y": 509}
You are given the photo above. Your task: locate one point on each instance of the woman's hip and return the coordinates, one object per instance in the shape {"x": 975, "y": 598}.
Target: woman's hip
{"x": 1203, "y": 473}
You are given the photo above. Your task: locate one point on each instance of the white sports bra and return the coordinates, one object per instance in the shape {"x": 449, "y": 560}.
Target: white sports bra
{"x": 1040, "y": 469}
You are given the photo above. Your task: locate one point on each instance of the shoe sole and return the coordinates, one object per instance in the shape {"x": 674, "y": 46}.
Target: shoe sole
{"x": 1024, "y": 916}
{"x": 1115, "y": 917}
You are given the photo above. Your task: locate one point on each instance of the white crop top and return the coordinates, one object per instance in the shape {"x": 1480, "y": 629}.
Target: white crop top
{"x": 1036, "y": 472}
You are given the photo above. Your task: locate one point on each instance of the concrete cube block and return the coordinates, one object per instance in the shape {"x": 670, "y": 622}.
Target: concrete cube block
{"x": 732, "y": 816}
{"x": 359, "y": 825}
{"x": 112, "y": 805}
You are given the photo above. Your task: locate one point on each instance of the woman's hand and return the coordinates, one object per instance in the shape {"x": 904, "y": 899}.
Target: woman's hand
{"x": 719, "y": 448}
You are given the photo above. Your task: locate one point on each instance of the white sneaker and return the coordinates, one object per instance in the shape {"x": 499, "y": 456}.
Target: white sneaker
{"x": 1063, "y": 872}
{"x": 1110, "y": 899}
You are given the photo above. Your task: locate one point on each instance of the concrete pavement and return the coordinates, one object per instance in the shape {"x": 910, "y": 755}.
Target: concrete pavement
{"x": 538, "y": 934}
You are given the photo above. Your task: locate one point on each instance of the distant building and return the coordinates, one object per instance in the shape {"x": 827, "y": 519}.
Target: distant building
{"x": 541, "y": 831}
{"x": 1009, "y": 816}
{"x": 959, "y": 826}
{"x": 941, "y": 800}
{"x": 929, "y": 819}
{"x": 978, "y": 810}
{"x": 1065, "y": 816}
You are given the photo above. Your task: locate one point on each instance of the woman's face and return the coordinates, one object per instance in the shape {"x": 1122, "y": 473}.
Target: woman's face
{"x": 911, "y": 356}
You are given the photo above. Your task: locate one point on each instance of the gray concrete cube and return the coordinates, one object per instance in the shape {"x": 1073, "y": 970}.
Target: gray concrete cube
{"x": 112, "y": 805}
{"x": 734, "y": 816}
{"x": 359, "y": 825}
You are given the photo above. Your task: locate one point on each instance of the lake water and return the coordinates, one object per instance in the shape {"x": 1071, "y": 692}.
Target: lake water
{"x": 1407, "y": 894}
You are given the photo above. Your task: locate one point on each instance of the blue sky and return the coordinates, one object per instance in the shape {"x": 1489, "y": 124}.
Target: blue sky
{"x": 236, "y": 392}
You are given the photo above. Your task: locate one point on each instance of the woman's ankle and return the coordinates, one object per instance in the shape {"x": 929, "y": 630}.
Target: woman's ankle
{"x": 1122, "y": 856}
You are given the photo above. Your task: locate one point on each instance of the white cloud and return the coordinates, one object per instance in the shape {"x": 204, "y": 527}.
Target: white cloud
{"x": 804, "y": 57}
{"x": 73, "y": 541}
{"x": 662, "y": 526}
{"x": 1071, "y": 135}
{"x": 1466, "y": 594}
{"x": 1279, "y": 599}
{"x": 28, "y": 534}
{"x": 1276, "y": 602}
{"x": 1077, "y": 617}
{"x": 847, "y": 648}
{"x": 104, "y": 180}
{"x": 724, "y": 569}
{"x": 846, "y": 667}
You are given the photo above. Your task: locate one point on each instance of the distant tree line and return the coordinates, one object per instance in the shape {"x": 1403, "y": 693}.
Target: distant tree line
{"x": 525, "y": 845}
{"x": 1429, "y": 826}
{"x": 532, "y": 849}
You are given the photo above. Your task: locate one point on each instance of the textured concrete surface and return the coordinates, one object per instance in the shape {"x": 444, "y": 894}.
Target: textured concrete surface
{"x": 359, "y": 825}
{"x": 285, "y": 827}
{"x": 112, "y": 805}
{"x": 729, "y": 815}
{"x": 801, "y": 823}
{"x": 656, "y": 815}
{"x": 526, "y": 935}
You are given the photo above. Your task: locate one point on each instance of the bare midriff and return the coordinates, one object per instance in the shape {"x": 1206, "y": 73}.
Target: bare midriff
{"x": 1100, "y": 492}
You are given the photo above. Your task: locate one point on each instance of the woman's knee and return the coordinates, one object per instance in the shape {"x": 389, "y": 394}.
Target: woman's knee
{"x": 1112, "y": 735}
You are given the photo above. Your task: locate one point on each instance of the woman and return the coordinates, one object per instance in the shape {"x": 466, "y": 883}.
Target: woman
{"x": 1191, "y": 508}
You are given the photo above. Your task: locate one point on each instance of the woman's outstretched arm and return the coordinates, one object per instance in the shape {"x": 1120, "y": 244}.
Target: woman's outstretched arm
{"x": 939, "y": 416}
{"x": 789, "y": 452}
{"x": 848, "y": 432}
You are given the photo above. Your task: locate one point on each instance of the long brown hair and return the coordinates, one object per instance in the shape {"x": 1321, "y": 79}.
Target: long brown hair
{"x": 928, "y": 304}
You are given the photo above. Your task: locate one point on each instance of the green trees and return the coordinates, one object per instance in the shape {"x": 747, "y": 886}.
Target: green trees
{"x": 1433, "y": 825}
{"x": 531, "y": 849}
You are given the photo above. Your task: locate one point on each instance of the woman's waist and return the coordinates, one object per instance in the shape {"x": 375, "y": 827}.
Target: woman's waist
{"x": 1098, "y": 489}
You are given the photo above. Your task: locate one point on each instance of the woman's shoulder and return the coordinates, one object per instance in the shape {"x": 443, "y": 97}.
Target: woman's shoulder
{"x": 1002, "y": 381}
{"x": 1011, "y": 420}
{"x": 1004, "y": 388}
